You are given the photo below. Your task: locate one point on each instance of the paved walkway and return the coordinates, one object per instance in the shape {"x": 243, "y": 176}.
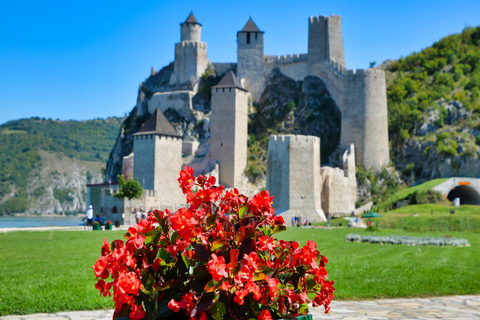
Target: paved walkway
{"x": 456, "y": 307}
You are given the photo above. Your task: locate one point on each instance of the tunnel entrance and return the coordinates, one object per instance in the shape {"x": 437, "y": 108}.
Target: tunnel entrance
{"x": 467, "y": 195}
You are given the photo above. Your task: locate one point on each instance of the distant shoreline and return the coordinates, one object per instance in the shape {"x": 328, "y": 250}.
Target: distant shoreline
{"x": 43, "y": 215}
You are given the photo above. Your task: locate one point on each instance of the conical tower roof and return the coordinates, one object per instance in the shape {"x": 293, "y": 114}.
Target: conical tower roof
{"x": 229, "y": 81}
{"x": 191, "y": 19}
{"x": 158, "y": 124}
{"x": 250, "y": 26}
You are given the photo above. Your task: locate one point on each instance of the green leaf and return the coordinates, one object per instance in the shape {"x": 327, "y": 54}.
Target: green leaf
{"x": 279, "y": 228}
{"x": 218, "y": 244}
{"x": 242, "y": 210}
{"x": 303, "y": 308}
{"x": 165, "y": 255}
{"x": 150, "y": 236}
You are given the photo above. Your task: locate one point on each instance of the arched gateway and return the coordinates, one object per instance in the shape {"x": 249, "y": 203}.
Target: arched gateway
{"x": 467, "y": 189}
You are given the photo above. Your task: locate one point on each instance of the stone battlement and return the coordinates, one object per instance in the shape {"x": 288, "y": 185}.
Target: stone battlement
{"x": 286, "y": 139}
{"x": 338, "y": 68}
{"x": 321, "y": 18}
{"x": 188, "y": 43}
{"x": 286, "y": 59}
{"x": 156, "y": 136}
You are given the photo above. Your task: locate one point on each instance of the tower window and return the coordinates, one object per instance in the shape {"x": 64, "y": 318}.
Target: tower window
{"x": 248, "y": 37}
{"x": 256, "y": 35}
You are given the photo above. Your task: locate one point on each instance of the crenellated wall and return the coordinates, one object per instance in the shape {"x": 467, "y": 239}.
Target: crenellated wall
{"x": 293, "y": 66}
{"x": 293, "y": 176}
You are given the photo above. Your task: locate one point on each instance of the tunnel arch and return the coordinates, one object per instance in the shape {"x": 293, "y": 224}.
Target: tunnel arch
{"x": 467, "y": 195}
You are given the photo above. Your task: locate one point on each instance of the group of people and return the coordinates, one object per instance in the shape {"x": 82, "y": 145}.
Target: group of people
{"x": 139, "y": 215}
{"x": 298, "y": 221}
{"x": 89, "y": 217}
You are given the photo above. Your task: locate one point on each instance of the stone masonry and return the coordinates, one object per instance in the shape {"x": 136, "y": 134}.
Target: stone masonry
{"x": 229, "y": 129}
{"x": 293, "y": 176}
{"x": 304, "y": 189}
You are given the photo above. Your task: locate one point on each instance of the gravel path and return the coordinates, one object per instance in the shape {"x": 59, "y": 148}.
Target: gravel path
{"x": 455, "y": 307}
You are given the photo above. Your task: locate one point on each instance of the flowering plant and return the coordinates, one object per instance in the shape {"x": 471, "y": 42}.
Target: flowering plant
{"x": 216, "y": 259}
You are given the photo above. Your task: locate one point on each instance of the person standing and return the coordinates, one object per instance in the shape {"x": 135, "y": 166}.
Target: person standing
{"x": 89, "y": 216}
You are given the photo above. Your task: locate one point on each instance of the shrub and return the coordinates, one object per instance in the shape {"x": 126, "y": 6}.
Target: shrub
{"x": 215, "y": 260}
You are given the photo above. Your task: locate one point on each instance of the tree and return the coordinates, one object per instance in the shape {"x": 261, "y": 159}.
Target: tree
{"x": 130, "y": 189}
{"x": 372, "y": 64}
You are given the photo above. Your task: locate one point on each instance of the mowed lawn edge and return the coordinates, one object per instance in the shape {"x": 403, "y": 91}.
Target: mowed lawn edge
{"x": 51, "y": 271}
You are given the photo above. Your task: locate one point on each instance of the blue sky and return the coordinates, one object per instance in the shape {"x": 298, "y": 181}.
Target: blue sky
{"x": 85, "y": 59}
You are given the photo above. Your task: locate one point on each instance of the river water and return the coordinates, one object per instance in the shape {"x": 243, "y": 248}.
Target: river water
{"x": 25, "y": 222}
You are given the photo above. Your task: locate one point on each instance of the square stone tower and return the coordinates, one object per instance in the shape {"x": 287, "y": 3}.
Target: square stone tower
{"x": 158, "y": 159}
{"x": 250, "y": 60}
{"x": 229, "y": 129}
{"x": 293, "y": 176}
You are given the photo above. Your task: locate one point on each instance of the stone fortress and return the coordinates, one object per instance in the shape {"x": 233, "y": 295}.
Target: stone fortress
{"x": 301, "y": 187}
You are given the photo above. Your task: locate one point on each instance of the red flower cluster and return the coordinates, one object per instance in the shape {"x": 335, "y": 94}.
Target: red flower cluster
{"x": 215, "y": 259}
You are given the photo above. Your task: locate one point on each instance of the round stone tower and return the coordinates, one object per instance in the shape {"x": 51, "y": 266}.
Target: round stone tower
{"x": 191, "y": 30}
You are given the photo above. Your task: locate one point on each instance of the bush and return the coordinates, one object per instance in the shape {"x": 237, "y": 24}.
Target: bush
{"x": 215, "y": 257}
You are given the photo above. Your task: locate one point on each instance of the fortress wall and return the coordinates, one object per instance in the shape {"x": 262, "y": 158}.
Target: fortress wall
{"x": 190, "y": 32}
{"x": 229, "y": 133}
{"x": 334, "y": 81}
{"x": 189, "y": 147}
{"x": 339, "y": 193}
{"x": 297, "y": 71}
{"x": 180, "y": 101}
{"x": 286, "y": 59}
{"x": 250, "y": 64}
{"x": 223, "y": 67}
{"x": 295, "y": 160}
{"x": 375, "y": 147}
{"x": 168, "y": 163}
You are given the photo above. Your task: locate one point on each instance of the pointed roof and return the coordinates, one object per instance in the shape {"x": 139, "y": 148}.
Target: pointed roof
{"x": 191, "y": 19}
{"x": 250, "y": 26}
{"x": 229, "y": 81}
{"x": 158, "y": 124}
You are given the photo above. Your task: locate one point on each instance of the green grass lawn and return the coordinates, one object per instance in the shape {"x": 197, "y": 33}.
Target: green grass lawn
{"x": 51, "y": 271}
{"x": 364, "y": 271}
{"x": 432, "y": 217}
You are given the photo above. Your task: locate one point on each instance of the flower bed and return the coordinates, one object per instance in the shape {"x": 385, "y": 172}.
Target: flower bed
{"x": 216, "y": 259}
{"x": 411, "y": 241}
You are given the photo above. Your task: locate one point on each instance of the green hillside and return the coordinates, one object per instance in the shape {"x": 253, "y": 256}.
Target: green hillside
{"x": 422, "y": 83}
{"x": 21, "y": 140}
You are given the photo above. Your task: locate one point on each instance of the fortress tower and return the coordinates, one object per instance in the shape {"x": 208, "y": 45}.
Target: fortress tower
{"x": 365, "y": 118}
{"x": 325, "y": 41}
{"x": 250, "y": 60}
{"x": 229, "y": 129}
{"x": 190, "y": 54}
{"x": 293, "y": 176}
{"x": 158, "y": 159}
